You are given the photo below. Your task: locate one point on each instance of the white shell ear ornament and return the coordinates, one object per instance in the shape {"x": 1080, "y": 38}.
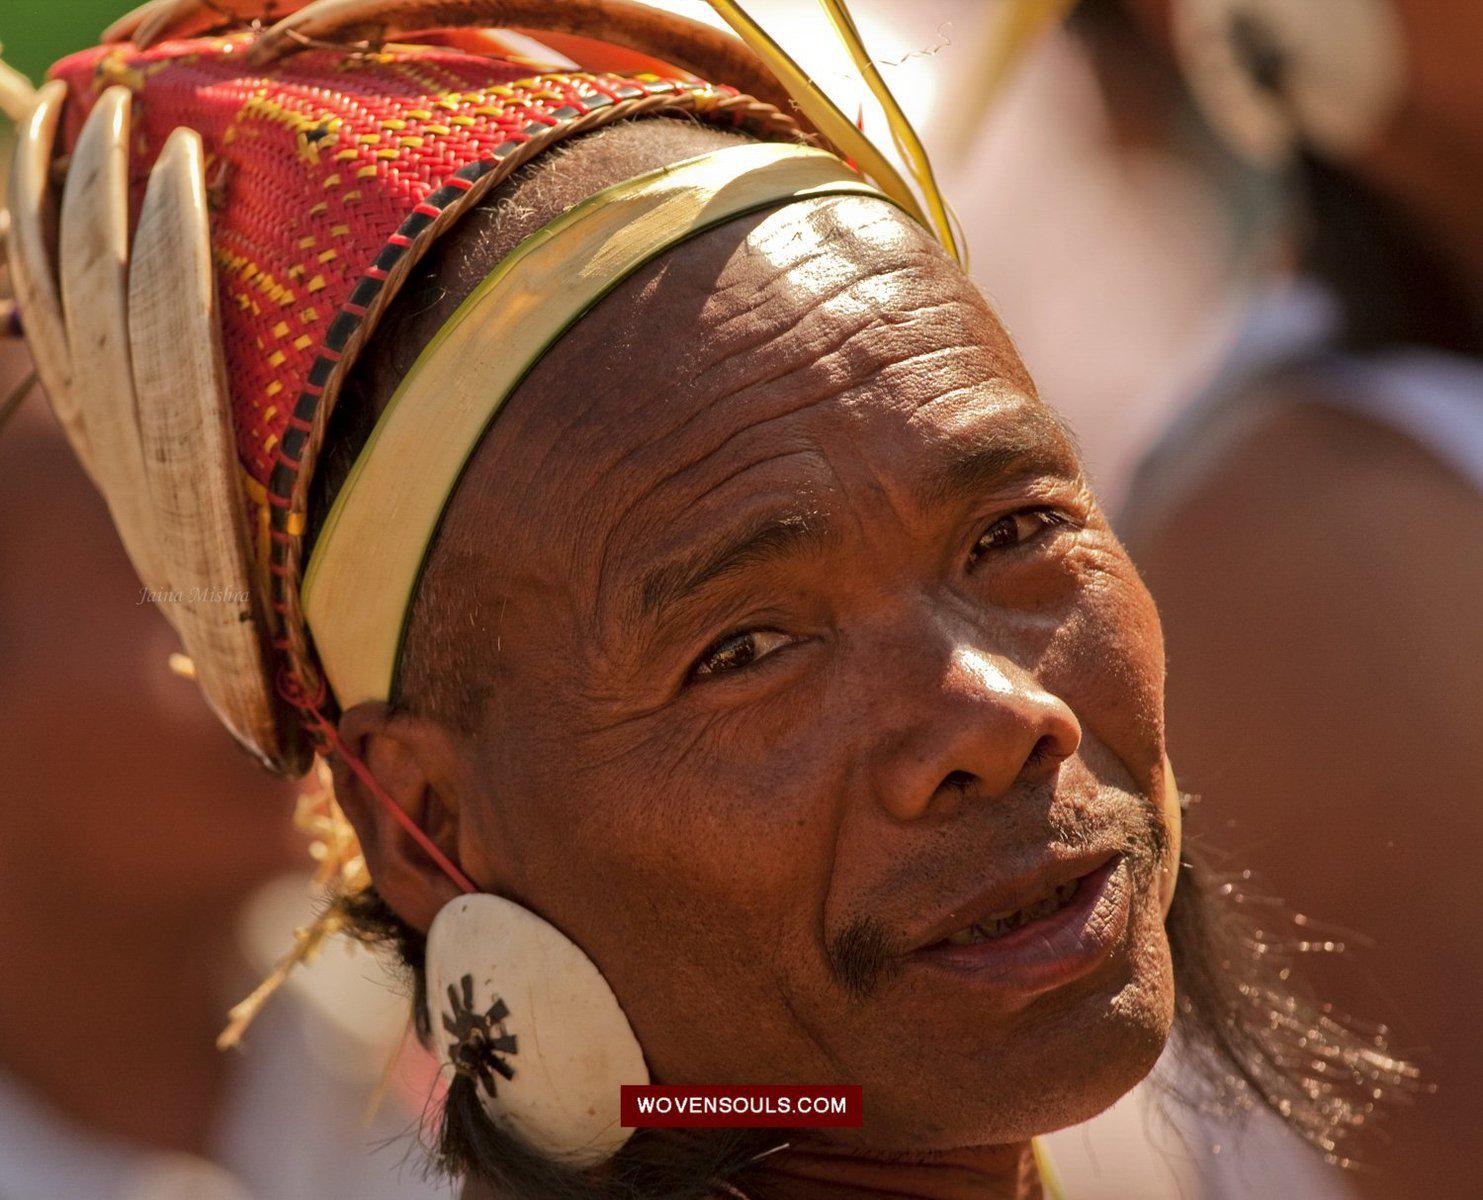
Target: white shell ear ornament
{"x": 1274, "y": 76}
{"x": 519, "y": 1009}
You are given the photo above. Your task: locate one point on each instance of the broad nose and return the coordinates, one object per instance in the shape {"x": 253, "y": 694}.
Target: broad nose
{"x": 968, "y": 721}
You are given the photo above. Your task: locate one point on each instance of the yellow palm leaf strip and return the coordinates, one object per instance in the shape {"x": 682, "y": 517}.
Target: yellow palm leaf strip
{"x": 307, "y": 943}
{"x": 1016, "y": 31}
{"x": 17, "y": 395}
{"x": 902, "y": 132}
{"x": 388, "y": 1073}
{"x": 820, "y": 110}
{"x": 1022, "y": 24}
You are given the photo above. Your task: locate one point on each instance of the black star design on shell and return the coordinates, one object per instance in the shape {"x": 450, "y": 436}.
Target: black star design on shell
{"x": 480, "y": 1043}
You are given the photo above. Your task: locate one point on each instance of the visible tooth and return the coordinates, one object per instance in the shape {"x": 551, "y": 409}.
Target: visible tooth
{"x": 999, "y": 923}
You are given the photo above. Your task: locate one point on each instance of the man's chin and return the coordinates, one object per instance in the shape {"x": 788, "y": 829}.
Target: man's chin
{"x": 1062, "y": 1059}
{"x": 1078, "y": 1083}
{"x": 1001, "y": 1108}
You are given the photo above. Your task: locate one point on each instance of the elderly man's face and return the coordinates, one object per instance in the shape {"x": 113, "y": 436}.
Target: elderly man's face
{"x": 814, "y": 671}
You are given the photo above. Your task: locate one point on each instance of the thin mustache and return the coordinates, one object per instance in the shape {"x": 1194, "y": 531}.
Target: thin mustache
{"x": 1140, "y": 838}
{"x": 868, "y": 951}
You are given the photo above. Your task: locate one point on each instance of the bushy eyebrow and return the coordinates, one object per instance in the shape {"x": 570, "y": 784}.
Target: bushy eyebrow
{"x": 764, "y": 539}
{"x": 1037, "y": 446}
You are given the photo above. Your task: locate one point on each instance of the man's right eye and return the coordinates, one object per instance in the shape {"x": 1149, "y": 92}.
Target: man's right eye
{"x": 736, "y": 651}
{"x": 1017, "y": 529}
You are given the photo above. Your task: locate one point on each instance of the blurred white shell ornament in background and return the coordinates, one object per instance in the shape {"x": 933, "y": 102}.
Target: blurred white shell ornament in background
{"x": 1276, "y": 76}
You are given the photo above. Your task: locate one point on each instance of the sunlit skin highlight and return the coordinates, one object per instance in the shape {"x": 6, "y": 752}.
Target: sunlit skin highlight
{"x": 794, "y": 633}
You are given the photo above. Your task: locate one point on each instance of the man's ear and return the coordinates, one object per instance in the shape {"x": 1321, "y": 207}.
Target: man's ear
{"x": 415, "y": 762}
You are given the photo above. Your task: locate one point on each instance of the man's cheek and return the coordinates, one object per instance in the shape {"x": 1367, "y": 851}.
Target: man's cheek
{"x": 698, "y": 942}
{"x": 694, "y": 823}
{"x": 1106, "y": 661}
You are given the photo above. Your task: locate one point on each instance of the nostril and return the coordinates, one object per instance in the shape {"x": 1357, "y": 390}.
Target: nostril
{"x": 958, "y": 781}
{"x": 1044, "y": 750}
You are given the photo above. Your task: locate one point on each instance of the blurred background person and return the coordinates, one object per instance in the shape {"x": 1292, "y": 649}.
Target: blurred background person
{"x": 1312, "y": 525}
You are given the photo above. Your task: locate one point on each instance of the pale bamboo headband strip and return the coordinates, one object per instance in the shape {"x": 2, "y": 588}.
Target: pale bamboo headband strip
{"x": 364, "y": 570}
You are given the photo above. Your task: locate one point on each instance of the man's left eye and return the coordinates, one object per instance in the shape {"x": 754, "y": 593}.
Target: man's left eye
{"x": 736, "y": 651}
{"x": 1015, "y": 529}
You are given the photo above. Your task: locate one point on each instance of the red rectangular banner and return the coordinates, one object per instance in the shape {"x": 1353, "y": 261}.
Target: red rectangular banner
{"x": 741, "y": 1106}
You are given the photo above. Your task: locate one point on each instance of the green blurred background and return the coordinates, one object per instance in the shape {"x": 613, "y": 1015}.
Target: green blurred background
{"x": 35, "y": 33}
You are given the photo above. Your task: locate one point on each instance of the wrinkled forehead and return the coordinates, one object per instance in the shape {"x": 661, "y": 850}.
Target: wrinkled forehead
{"x": 756, "y": 361}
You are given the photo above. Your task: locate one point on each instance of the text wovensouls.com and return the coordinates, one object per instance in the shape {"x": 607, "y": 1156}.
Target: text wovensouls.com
{"x": 755, "y": 1106}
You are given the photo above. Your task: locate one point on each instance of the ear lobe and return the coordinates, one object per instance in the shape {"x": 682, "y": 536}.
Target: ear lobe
{"x": 404, "y": 755}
